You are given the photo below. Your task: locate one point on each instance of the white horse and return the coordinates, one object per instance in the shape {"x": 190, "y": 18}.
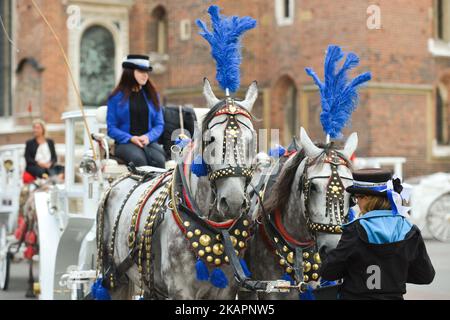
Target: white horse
{"x": 305, "y": 208}
{"x": 149, "y": 218}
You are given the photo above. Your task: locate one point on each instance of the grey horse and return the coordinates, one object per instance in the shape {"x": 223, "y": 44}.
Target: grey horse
{"x": 288, "y": 196}
{"x": 173, "y": 262}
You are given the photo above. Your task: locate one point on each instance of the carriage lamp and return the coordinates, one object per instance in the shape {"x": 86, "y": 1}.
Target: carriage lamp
{"x": 8, "y": 165}
{"x": 88, "y": 167}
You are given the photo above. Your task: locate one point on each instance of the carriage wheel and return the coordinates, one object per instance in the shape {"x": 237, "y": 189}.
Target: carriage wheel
{"x": 5, "y": 259}
{"x": 438, "y": 218}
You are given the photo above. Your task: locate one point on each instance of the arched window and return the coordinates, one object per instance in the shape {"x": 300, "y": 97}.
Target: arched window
{"x": 97, "y": 65}
{"x": 158, "y": 31}
{"x": 284, "y": 105}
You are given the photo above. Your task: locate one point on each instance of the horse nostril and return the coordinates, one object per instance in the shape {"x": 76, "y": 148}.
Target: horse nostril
{"x": 323, "y": 251}
{"x": 224, "y": 205}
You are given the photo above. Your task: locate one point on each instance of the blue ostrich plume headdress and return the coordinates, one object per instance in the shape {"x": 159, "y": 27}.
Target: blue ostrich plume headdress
{"x": 339, "y": 96}
{"x": 225, "y": 45}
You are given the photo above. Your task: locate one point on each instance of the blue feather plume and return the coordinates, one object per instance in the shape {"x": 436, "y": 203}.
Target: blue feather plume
{"x": 339, "y": 96}
{"x": 225, "y": 45}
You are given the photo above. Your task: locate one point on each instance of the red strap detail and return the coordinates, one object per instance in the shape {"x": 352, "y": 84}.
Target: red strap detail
{"x": 285, "y": 234}
{"x": 219, "y": 225}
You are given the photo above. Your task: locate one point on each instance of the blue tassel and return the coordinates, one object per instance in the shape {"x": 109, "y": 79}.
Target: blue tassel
{"x": 308, "y": 294}
{"x": 219, "y": 279}
{"x": 287, "y": 277}
{"x": 202, "y": 270}
{"x": 99, "y": 292}
{"x": 198, "y": 167}
{"x": 245, "y": 268}
{"x": 277, "y": 152}
{"x": 182, "y": 142}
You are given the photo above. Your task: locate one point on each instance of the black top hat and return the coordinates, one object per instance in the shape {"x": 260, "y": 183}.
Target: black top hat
{"x": 372, "y": 182}
{"x": 134, "y": 61}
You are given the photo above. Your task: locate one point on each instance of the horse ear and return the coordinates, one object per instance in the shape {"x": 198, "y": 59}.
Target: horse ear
{"x": 250, "y": 97}
{"x": 350, "y": 145}
{"x": 210, "y": 97}
{"x": 311, "y": 150}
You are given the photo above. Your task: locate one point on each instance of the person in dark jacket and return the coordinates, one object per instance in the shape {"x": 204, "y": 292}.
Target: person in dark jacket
{"x": 40, "y": 154}
{"x": 380, "y": 251}
{"x": 134, "y": 118}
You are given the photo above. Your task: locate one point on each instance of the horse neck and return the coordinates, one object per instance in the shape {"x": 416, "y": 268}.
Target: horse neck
{"x": 293, "y": 215}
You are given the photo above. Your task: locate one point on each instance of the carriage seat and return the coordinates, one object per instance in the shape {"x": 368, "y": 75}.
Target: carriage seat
{"x": 117, "y": 165}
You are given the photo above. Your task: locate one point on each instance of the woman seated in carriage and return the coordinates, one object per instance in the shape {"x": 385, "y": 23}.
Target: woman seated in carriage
{"x": 40, "y": 155}
{"x": 135, "y": 118}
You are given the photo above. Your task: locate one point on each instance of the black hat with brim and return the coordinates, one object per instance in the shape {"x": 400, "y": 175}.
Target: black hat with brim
{"x": 137, "y": 62}
{"x": 365, "y": 180}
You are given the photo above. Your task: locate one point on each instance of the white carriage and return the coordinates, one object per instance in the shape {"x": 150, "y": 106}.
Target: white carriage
{"x": 430, "y": 197}
{"x": 11, "y": 169}
{"x": 67, "y": 213}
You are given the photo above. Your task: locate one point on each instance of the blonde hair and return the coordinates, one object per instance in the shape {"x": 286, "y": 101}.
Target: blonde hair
{"x": 375, "y": 203}
{"x": 42, "y": 124}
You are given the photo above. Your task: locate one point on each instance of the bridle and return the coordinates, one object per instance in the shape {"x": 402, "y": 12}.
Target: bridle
{"x": 232, "y": 137}
{"x": 334, "y": 197}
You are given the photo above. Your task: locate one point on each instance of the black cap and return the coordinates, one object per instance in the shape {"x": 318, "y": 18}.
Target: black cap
{"x": 365, "y": 178}
{"x": 135, "y": 61}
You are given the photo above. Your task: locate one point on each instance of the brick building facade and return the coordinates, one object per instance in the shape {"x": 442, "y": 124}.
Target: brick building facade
{"x": 403, "y": 112}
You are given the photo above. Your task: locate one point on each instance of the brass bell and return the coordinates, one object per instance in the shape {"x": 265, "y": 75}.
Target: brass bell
{"x": 290, "y": 257}
{"x": 189, "y": 234}
{"x": 305, "y": 278}
{"x": 197, "y": 232}
{"x": 317, "y": 258}
{"x": 201, "y": 253}
{"x": 282, "y": 262}
{"x": 289, "y": 270}
{"x": 187, "y": 224}
{"x": 245, "y": 234}
{"x": 237, "y": 232}
{"x": 208, "y": 249}
{"x": 209, "y": 259}
{"x": 226, "y": 259}
{"x": 218, "y": 249}
{"x": 195, "y": 244}
{"x": 315, "y": 267}
{"x": 205, "y": 240}
{"x": 241, "y": 244}
{"x": 245, "y": 223}
{"x": 233, "y": 241}
{"x": 285, "y": 249}
{"x": 315, "y": 276}
{"x": 307, "y": 267}
{"x": 217, "y": 261}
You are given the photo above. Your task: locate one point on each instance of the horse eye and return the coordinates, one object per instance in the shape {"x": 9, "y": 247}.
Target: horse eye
{"x": 313, "y": 187}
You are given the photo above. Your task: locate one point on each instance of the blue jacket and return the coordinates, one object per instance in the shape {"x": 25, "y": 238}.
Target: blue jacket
{"x": 118, "y": 120}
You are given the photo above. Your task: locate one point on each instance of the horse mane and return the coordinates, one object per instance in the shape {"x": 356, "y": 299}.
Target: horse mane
{"x": 279, "y": 195}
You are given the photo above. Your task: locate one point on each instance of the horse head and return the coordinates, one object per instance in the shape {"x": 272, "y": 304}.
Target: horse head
{"x": 228, "y": 149}
{"x": 324, "y": 175}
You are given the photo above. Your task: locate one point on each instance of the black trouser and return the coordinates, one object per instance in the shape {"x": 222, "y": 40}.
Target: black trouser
{"x": 151, "y": 155}
{"x": 38, "y": 172}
